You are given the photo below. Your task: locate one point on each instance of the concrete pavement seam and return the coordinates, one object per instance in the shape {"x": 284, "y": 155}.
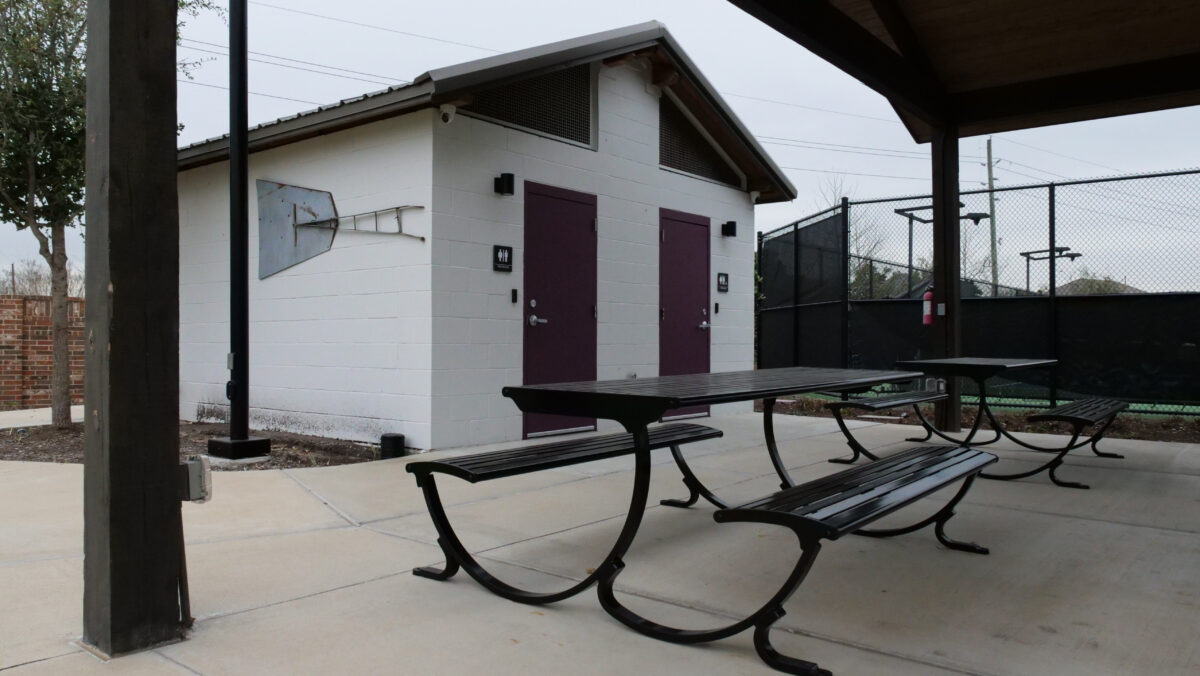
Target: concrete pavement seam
{"x": 334, "y": 508}
{"x": 177, "y": 662}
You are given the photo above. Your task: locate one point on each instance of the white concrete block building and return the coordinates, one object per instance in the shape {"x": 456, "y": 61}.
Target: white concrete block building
{"x": 624, "y": 249}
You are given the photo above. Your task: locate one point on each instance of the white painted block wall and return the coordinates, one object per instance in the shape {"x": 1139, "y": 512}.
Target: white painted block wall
{"x": 340, "y": 345}
{"x": 477, "y": 330}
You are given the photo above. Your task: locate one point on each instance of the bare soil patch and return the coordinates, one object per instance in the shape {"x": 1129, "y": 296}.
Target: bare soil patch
{"x": 1127, "y": 426}
{"x": 47, "y": 444}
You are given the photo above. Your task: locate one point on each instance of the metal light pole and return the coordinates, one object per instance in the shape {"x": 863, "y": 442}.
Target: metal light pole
{"x": 239, "y": 443}
{"x": 1047, "y": 254}
{"x": 911, "y": 215}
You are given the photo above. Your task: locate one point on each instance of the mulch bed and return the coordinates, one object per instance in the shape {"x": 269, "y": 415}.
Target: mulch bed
{"x": 47, "y": 444}
{"x": 1126, "y": 426}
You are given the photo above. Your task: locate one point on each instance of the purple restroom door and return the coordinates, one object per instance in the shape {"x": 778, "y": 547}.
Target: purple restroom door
{"x": 559, "y": 310}
{"x": 683, "y": 272}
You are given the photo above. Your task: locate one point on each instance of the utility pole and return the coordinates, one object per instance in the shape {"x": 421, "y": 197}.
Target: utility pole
{"x": 992, "y": 218}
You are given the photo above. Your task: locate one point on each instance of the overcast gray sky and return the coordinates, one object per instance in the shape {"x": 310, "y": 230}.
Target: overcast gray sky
{"x": 817, "y": 122}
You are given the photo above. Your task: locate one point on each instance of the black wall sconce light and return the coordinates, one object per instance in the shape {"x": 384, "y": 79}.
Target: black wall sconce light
{"x": 729, "y": 229}
{"x": 504, "y": 184}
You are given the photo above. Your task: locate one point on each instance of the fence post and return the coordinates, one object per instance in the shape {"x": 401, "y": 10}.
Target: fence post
{"x": 845, "y": 284}
{"x": 796, "y": 293}
{"x": 1054, "y": 338}
{"x": 758, "y": 301}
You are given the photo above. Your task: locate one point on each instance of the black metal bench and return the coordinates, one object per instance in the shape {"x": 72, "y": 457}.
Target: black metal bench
{"x": 1080, "y": 415}
{"x": 827, "y": 509}
{"x": 913, "y": 399}
{"x": 498, "y": 464}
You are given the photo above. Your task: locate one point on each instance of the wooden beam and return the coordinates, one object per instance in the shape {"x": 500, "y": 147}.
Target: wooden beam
{"x": 833, "y": 36}
{"x": 947, "y": 290}
{"x": 1094, "y": 89}
{"x": 902, "y": 34}
{"x": 132, "y": 530}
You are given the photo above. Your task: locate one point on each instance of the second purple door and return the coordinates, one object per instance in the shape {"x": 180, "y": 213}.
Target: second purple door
{"x": 684, "y": 322}
{"x": 560, "y": 296}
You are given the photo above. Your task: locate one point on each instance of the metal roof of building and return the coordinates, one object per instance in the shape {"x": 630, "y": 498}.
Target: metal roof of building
{"x": 452, "y": 83}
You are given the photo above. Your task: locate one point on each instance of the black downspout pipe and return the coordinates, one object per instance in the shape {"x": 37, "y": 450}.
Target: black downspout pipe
{"x": 239, "y": 444}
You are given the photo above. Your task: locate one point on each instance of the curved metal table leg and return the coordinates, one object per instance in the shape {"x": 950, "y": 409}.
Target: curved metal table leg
{"x": 969, "y": 440}
{"x": 1051, "y": 464}
{"x": 924, "y": 423}
{"x": 1100, "y": 435}
{"x": 940, "y": 518}
{"x": 761, "y": 619}
{"x": 856, "y": 447}
{"x": 695, "y": 486}
{"x": 772, "y": 448}
{"x": 458, "y": 556}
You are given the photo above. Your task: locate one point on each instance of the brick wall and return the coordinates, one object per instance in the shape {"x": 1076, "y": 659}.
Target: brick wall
{"x": 26, "y": 351}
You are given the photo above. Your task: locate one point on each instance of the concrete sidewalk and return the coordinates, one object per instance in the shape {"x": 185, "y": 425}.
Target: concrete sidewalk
{"x": 308, "y": 571}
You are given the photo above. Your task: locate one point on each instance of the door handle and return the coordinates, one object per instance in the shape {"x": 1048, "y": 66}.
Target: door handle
{"x": 534, "y": 320}
{"x": 704, "y": 325}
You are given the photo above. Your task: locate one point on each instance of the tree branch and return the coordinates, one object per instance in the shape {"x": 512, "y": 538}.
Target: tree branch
{"x": 43, "y": 244}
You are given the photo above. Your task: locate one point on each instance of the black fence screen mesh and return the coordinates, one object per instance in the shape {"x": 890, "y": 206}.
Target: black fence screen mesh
{"x": 802, "y": 269}
{"x": 1102, "y": 275}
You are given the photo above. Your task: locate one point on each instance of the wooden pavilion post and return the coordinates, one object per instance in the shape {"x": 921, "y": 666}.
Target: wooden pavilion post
{"x": 947, "y": 290}
{"x": 132, "y": 529}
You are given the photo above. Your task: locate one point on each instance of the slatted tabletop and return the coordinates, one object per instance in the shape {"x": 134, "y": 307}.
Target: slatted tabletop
{"x": 643, "y": 400}
{"x": 977, "y": 368}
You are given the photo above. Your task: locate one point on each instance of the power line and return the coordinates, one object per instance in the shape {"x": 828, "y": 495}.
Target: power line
{"x": 1109, "y": 214}
{"x": 822, "y": 110}
{"x": 852, "y": 173}
{"x": 1069, "y": 157}
{"x": 269, "y": 96}
{"x": 370, "y": 25}
{"x": 1127, "y": 196}
{"x": 307, "y": 63}
{"x": 497, "y": 51}
{"x": 285, "y": 65}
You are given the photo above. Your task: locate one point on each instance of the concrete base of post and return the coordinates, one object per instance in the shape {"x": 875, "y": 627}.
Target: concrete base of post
{"x": 236, "y": 449}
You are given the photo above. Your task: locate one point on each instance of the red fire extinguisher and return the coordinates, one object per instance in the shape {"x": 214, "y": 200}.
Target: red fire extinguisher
{"x": 927, "y": 308}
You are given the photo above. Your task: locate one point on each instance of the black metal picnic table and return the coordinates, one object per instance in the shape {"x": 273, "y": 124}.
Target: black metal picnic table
{"x": 636, "y": 403}
{"x": 824, "y": 508}
{"x": 980, "y": 370}
{"x": 1079, "y": 414}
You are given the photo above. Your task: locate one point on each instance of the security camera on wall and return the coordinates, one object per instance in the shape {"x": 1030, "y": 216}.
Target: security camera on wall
{"x": 448, "y": 110}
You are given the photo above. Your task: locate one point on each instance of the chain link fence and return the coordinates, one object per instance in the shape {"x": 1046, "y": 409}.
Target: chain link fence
{"x": 1101, "y": 274}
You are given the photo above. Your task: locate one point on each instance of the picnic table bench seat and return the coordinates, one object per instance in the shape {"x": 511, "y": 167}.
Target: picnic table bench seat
{"x": 524, "y": 460}
{"x": 1079, "y": 414}
{"x": 913, "y": 398}
{"x": 827, "y": 509}
{"x": 497, "y": 464}
{"x": 1083, "y": 412}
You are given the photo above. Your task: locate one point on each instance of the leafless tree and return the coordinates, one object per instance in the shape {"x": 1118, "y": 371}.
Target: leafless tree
{"x": 31, "y": 277}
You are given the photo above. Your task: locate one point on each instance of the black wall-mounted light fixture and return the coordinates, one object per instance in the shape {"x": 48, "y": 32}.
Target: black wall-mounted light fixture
{"x": 729, "y": 229}
{"x": 504, "y": 184}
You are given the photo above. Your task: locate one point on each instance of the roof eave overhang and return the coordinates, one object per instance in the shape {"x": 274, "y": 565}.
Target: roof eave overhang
{"x": 316, "y": 123}
{"x": 770, "y": 181}
{"x": 903, "y": 73}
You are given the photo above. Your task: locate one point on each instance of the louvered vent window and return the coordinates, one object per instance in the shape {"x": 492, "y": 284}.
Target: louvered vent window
{"x": 681, "y": 146}
{"x": 558, "y": 104}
